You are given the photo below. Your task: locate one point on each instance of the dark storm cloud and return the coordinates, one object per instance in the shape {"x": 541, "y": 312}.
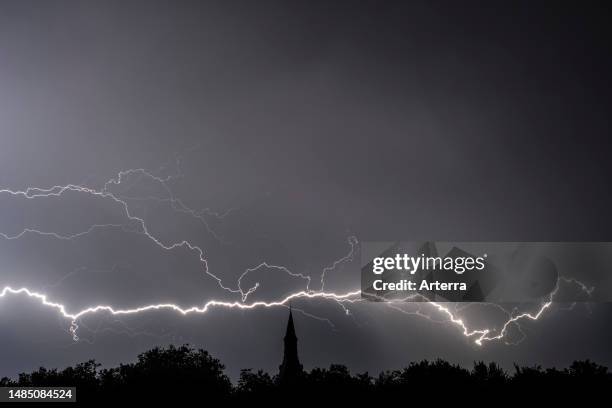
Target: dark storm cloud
{"x": 315, "y": 121}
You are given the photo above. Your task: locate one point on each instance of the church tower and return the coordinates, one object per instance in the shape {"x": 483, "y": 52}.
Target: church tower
{"x": 291, "y": 368}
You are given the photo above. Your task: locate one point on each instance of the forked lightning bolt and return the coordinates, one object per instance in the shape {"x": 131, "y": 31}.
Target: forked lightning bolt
{"x": 343, "y": 298}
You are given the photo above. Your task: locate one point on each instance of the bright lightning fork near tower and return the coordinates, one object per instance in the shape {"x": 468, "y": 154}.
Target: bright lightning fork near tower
{"x": 353, "y": 296}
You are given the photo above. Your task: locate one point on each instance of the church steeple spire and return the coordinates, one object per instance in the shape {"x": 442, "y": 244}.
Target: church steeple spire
{"x": 291, "y": 368}
{"x": 290, "y": 327}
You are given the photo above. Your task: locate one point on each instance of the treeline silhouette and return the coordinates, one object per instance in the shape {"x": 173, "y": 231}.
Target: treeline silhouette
{"x": 179, "y": 373}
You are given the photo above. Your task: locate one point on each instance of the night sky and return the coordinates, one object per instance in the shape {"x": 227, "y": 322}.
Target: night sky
{"x": 287, "y": 128}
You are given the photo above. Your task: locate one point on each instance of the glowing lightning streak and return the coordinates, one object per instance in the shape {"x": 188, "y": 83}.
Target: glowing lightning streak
{"x": 481, "y": 335}
{"x": 58, "y": 191}
{"x": 349, "y": 257}
{"x": 168, "y": 306}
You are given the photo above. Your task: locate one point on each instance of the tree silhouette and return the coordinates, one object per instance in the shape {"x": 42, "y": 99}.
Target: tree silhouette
{"x": 190, "y": 372}
{"x": 185, "y": 373}
{"x": 258, "y": 385}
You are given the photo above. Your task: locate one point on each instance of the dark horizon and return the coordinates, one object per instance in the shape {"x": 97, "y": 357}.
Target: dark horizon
{"x": 184, "y": 373}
